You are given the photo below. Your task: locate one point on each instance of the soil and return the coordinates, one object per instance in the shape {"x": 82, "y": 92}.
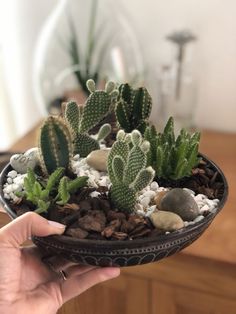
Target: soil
{"x": 89, "y": 217}
{"x": 204, "y": 180}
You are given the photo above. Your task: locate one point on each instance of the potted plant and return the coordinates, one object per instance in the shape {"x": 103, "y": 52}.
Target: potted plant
{"x": 144, "y": 198}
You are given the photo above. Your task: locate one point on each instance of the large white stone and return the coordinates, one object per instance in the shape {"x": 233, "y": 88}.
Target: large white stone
{"x": 97, "y": 159}
{"x": 21, "y": 162}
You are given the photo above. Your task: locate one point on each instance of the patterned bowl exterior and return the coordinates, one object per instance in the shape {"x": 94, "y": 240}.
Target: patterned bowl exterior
{"x": 121, "y": 253}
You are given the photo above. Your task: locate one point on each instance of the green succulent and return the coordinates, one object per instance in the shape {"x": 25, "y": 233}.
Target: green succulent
{"x": 68, "y": 187}
{"x": 57, "y": 188}
{"x": 172, "y": 158}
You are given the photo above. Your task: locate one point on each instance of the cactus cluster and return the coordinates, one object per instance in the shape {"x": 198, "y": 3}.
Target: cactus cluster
{"x": 127, "y": 169}
{"x": 82, "y": 119}
{"x": 172, "y": 158}
{"x": 133, "y": 108}
{"x": 55, "y": 145}
{"x": 133, "y": 160}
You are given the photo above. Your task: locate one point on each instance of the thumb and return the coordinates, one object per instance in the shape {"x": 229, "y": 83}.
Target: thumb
{"x": 30, "y": 224}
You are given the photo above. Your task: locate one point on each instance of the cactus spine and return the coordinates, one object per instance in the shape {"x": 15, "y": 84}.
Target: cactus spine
{"x": 55, "y": 145}
{"x": 127, "y": 169}
{"x": 172, "y": 158}
{"x": 133, "y": 108}
{"x": 82, "y": 119}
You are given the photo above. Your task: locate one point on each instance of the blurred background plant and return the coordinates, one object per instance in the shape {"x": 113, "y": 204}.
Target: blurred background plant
{"x": 82, "y": 70}
{"x": 82, "y": 40}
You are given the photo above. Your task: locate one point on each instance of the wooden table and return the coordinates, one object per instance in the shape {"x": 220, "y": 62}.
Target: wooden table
{"x": 199, "y": 280}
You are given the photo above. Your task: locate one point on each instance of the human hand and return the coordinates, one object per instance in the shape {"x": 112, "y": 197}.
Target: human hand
{"x": 27, "y": 285}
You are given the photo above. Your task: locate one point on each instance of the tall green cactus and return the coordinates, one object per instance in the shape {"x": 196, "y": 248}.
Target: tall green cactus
{"x": 82, "y": 119}
{"x": 55, "y": 145}
{"x": 172, "y": 158}
{"x": 127, "y": 169}
{"x": 133, "y": 108}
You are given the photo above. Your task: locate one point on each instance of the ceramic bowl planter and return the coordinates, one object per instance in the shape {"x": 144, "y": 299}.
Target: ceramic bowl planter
{"x": 148, "y": 197}
{"x": 120, "y": 253}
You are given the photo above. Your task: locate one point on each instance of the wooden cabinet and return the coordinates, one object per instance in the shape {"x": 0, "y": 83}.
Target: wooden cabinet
{"x": 126, "y": 294}
{"x": 177, "y": 285}
{"x": 177, "y": 300}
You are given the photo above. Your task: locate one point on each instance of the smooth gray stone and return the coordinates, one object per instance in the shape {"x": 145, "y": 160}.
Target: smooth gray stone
{"x": 180, "y": 202}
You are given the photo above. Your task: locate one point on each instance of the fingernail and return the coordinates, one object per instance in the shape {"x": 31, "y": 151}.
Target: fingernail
{"x": 56, "y": 224}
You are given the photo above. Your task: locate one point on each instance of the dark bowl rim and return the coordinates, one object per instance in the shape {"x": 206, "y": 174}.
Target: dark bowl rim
{"x": 129, "y": 243}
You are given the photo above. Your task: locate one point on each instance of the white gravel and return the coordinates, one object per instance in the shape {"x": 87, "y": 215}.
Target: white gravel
{"x": 145, "y": 203}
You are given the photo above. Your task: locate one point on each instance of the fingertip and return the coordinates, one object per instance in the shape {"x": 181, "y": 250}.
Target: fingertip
{"x": 57, "y": 225}
{"x": 111, "y": 272}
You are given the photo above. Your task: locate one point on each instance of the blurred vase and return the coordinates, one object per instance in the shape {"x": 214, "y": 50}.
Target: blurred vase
{"x": 178, "y": 84}
{"x": 81, "y": 40}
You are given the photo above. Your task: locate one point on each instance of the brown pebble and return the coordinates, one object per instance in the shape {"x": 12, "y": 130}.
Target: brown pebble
{"x": 119, "y": 235}
{"x": 105, "y": 205}
{"x": 126, "y": 226}
{"x": 139, "y": 231}
{"x": 77, "y": 233}
{"x": 94, "y": 221}
{"x": 112, "y": 215}
{"x": 85, "y": 205}
{"x": 111, "y": 228}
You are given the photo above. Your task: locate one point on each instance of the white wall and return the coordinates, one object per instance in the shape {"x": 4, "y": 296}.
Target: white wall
{"x": 213, "y": 21}
{"x": 20, "y": 23}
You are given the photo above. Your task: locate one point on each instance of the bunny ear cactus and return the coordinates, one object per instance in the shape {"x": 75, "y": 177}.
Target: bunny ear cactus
{"x": 103, "y": 132}
{"x": 97, "y": 105}
{"x": 172, "y": 158}
{"x": 55, "y": 145}
{"x": 133, "y": 108}
{"x": 127, "y": 169}
{"x": 82, "y": 119}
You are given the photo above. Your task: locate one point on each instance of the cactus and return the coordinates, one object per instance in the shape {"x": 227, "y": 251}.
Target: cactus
{"x": 172, "y": 158}
{"x": 55, "y": 145}
{"x": 104, "y": 131}
{"x": 82, "y": 119}
{"x": 133, "y": 108}
{"x": 127, "y": 169}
